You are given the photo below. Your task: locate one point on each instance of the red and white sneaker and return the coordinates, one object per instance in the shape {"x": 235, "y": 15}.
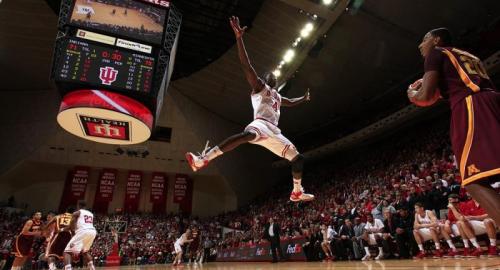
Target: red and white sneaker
{"x": 420, "y": 255}
{"x": 492, "y": 251}
{"x": 466, "y": 252}
{"x": 196, "y": 162}
{"x": 437, "y": 254}
{"x": 451, "y": 254}
{"x": 477, "y": 252}
{"x": 301, "y": 196}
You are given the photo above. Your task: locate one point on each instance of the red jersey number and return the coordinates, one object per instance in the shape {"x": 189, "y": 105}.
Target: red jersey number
{"x": 88, "y": 219}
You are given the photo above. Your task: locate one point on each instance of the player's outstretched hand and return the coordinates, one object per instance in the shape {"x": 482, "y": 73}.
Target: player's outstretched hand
{"x": 235, "y": 24}
{"x": 307, "y": 95}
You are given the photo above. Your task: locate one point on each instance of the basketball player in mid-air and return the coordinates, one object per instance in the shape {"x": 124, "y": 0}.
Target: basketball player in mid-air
{"x": 264, "y": 131}
{"x": 475, "y": 113}
{"x": 82, "y": 223}
{"x": 24, "y": 241}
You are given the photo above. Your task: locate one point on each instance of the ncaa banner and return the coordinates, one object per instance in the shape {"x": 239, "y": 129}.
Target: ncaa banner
{"x": 183, "y": 192}
{"x": 159, "y": 192}
{"x": 106, "y": 185}
{"x": 132, "y": 192}
{"x": 180, "y": 187}
{"x": 79, "y": 178}
{"x": 74, "y": 187}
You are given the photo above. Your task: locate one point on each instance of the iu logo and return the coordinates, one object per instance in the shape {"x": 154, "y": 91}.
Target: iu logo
{"x": 108, "y": 75}
{"x": 105, "y": 128}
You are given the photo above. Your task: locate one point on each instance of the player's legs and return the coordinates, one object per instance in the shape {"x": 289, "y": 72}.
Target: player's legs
{"x": 87, "y": 259}
{"x": 445, "y": 232}
{"x": 491, "y": 230}
{"x": 18, "y": 263}
{"x": 52, "y": 262}
{"x": 487, "y": 197}
{"x": 326, "y": 249}
{"x": 199, "y": 161}
{"x": 67, "y": 261}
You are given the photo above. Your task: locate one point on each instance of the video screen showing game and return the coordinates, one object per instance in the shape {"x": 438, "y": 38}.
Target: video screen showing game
{"x": 128, "y": 18}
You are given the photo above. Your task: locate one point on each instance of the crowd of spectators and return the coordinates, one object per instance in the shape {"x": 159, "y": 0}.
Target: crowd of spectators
{"x": 353, "y": 196}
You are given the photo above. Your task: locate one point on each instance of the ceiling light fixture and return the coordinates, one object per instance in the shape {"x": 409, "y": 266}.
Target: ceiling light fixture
{"x": 289, "y": 56}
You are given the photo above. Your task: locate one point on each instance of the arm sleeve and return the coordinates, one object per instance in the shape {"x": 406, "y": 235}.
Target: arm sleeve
{"x": 434, "y": 60}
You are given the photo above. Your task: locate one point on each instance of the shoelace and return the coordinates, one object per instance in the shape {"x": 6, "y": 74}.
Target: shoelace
{"x": 204, "y": 152}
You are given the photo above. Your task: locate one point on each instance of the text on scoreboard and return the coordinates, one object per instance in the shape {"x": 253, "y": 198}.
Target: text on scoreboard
{"x": 87, "y": 63}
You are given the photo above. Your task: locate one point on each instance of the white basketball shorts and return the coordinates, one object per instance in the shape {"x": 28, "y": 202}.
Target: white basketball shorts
{"x": 270, "y": 137}
{"x": 177, "y": 247}
{"x": 81, "y": 241}
{"x": 478, "y": 226}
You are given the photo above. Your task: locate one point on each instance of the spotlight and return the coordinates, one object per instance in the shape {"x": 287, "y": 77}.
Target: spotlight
{"x": 309, "y": 27}
{"x": 327, "y": 2}
{"x": 282, "y": 63}
{"x": 306, "y": 30}
{"x": 277, "y": 72}
{"x": 289, "y": 56}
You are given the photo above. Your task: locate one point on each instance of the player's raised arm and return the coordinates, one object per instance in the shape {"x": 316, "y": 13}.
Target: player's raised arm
{"x": 255, "y": 82}
{"x": 290, "y": 102}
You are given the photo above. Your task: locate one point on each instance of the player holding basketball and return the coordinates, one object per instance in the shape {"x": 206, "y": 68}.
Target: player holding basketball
{"x": 475, "y": 113}
{"x": 82, "y": 223}
{"x": 59, "y": 237}
{"x": 264, "y": 131}
{"x": 24, "y": 241}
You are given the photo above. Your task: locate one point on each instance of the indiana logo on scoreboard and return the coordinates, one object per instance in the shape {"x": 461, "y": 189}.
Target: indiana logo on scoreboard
{"x": 105, "y": 128}
{"x": 108, "y": 75}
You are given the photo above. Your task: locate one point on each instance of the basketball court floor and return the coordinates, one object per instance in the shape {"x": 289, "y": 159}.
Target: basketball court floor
{"x": 438, "y": 264}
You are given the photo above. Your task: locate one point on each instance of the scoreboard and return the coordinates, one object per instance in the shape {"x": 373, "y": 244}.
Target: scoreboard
{"x": 112, "y": 65}
{"x": 82, "y": 62}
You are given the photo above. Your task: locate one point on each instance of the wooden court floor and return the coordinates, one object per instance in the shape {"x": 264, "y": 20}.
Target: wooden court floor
{"x": 430, "y": 264}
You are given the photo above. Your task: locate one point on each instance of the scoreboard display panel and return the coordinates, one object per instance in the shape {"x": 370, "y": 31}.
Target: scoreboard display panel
{"x": 87, "y": 63}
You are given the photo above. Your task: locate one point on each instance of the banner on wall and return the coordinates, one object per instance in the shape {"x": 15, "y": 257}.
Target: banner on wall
{"x": 183, "y": 192}
{"x": 79, "y": 178}
{"x": 74, "y": 187}
{"x": 106, "y": 185}
{"x": 180, "y": 187}
{"x": 159, "y": 192}
{"x": 133, "y": 191}
{"x": 158, "y": 187}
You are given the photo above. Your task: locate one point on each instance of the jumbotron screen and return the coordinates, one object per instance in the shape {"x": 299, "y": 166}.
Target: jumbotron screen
{"x": 83, "y": 62}
{"x": 121, "y": 17}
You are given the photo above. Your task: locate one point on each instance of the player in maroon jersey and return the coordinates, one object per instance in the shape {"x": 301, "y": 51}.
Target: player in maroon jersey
{"x": 58, "y": 237}
{"x": 194, "y": 246}
{"x": 475, "y": 113}
{"x": 24, "y": 241}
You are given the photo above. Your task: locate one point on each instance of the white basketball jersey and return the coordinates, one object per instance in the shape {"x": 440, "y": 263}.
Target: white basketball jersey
{"x": 85, "y": 220}
{"x": 266, "y": 105}
{"x": 424, "y": 220}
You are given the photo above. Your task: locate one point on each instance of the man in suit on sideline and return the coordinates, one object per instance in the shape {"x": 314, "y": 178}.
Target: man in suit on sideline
{"x": 272, "y": 234}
